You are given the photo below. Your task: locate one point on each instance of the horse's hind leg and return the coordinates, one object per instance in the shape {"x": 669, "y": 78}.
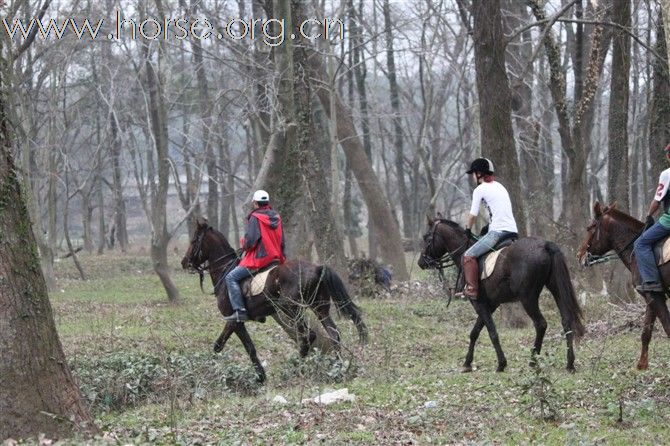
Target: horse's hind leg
{"x": 661, "y": 307}
{"x": 228, "y": 330}
{"x": 474, "y": 335}
{"x": 243, "y": 334}
{"x": 647, "y": 328}
{"x": 533, "y": 310}
{"x": 487, "y": 315}
{"x": 328, "y": 323}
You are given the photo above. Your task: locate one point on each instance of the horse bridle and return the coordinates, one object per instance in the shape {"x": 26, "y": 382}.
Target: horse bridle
{"x": 596, "y": 259}
{"x": 205, "y": 265}
{"x": 447, "y": 260}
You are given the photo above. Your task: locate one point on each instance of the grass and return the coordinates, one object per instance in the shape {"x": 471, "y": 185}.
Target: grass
{"x": 407, "y": 380}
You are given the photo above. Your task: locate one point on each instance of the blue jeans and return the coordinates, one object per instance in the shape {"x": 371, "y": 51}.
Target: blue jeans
{"x": 233, "y": 279}
{"x": 644, "y": 252}
{"x": 485, "y": 244}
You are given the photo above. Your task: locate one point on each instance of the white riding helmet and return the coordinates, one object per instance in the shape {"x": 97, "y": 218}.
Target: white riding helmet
{"x": 261, "y": 195}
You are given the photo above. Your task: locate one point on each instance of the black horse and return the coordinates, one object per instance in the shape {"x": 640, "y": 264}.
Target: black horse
{"x": 521, "y": 271}
{"x": 289, "y": 288}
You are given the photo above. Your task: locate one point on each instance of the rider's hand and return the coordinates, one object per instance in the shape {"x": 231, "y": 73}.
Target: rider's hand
{"x": 468, "y": 233}
{"x": 649, "y": 223}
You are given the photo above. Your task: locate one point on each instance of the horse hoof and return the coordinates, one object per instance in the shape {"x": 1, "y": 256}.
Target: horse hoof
{"x": 466, "y": 369}
{"x": 532, "y": 364}
{"x": 217, "y": 348}
{"x": 641, "y": 366}
{"x": 304, "y": 351}
{"x": 571, "y": 369}
{"x": 501, "y": 368}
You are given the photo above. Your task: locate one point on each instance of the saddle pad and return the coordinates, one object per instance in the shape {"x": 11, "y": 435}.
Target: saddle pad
{"x": 490, "y": 263}
{"x": 662, "y": 251}
{"x": 258, "y": 282}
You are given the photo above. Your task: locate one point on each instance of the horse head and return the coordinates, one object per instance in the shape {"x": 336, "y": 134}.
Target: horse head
{"x": 442, "y": 238}
{"x": 198, "y": 252}
{"x": 597, "y": 241}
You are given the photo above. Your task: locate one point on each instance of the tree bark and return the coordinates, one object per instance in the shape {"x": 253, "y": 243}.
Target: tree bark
{"x": 618, "y": 175}
{"x": 659, "y": 112}
{"x": 397, "y": 127}
{"x": 390, "y": 242}
{"x": 495, "y": 101}
{"x": 37, "y": 390}
{"x": 159, "y": 233}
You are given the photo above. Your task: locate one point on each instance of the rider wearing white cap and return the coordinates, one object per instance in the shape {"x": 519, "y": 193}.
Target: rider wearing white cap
{"x": 263, "y": 244}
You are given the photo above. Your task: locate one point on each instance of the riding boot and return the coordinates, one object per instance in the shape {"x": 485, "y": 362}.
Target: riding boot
{"x": 471, "y": 273}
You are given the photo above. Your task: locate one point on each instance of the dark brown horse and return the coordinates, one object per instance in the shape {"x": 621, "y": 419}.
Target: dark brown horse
{"x": 522, "y": 271}
{"x": 289, "y": 289}
{"x": 613, "y": 230}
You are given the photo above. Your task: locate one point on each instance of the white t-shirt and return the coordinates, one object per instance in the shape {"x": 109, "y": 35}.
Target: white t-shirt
{"x": 663, "y": 183}
{"x": 498, "y": 204}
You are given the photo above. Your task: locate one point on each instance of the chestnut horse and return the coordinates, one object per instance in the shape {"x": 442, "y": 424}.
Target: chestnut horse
{"x": 522, "y": 271}
{"x": 289, "y": 288}
{"x": 614, "y": 230}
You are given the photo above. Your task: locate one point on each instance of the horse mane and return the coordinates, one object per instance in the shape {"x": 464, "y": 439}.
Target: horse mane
{"x": 451, "y": 223}
{"x": 222, "y": 238}
{"x": 622, "y": 217}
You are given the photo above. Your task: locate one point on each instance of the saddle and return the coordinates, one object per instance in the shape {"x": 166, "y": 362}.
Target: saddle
{"x": 253, "y": 286}
{"x": 487, "y": 262}
{"x": 662, "y": 251}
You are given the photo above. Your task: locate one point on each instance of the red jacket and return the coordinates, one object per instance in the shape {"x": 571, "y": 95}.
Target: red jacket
{"x": 263, "y": 241}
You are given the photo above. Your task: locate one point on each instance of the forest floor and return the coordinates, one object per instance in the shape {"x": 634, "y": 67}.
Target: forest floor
{"x": 149, "y": 373}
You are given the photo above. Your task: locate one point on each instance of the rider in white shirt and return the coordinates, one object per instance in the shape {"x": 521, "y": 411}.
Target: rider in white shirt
{"x": 501, "y": 220}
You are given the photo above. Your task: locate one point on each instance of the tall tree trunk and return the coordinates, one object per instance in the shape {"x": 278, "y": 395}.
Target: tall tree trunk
{"x": 119, "y": 202}
{"x": 360, "y": 73}
{"x": 205, "y": 133}
{"x": 159, "y": 233}
{"x": 535, "y": 188}
{"x": 397, "y": 127}
{"x": 390, "y": 242}
{"x": 659, "y": 111}
{"x": 37, "y": 391}
{"x": 618, "y": 175}
{"x": 495, "y": 101}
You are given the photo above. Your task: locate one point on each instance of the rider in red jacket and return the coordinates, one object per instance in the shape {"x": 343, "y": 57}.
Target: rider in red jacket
{"x": 263, "y": 244}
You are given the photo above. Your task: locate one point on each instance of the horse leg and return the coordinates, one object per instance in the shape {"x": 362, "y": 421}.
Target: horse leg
{"x": 486, "y": 314}
{"x": 661, "y": 307}
{"x": 243, "y": 334}
{"x": 228, "y": 330}
{"x": 474, "y": 335}
{"x": 647, "y": 328}
{"x": 331, "y": 329}
{"x": 539, "y": 322}
{"x": 304, "y": 339}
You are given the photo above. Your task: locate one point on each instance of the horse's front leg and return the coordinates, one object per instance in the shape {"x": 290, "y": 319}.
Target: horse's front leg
{"x": 228, "y": 330}
{"x": 243, "y": 334}
{"x": 474, "y": 335}
{"x": 487, "y": 315}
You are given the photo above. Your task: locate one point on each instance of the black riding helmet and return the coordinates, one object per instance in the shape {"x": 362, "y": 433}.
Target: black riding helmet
{"x": 483, "y": 165}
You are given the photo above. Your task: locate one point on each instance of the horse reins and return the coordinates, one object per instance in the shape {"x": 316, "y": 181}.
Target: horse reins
{"x": 447, "y": 260}
{"x": 200, "y": 269}
{"x": 594, "y": 260}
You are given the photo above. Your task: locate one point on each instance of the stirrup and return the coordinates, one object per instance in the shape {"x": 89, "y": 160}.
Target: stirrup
{"x": 237, "y": 316}
{"x": 647, "y": 287}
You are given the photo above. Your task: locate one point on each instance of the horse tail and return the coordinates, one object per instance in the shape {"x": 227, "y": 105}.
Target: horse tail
{"x": 563, "y": 291}
{"x": 333, "y": 285}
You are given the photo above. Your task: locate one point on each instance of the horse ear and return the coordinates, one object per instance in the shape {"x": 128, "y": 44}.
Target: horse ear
{"x": 439, "y": 215}
{"x": 612, "y": 205}
{"x": 429, "y": 220}
{"x": 201, "y": 222}
{"x": 597, "y": 209}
